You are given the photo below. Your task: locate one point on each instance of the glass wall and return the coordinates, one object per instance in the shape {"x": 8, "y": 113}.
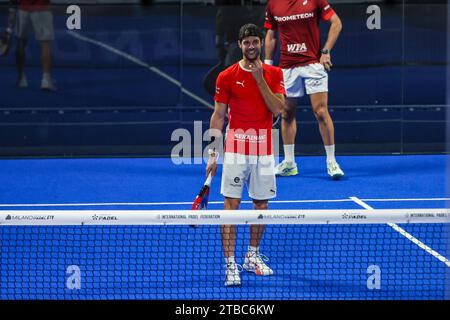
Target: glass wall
{"x": 136, "y": 71}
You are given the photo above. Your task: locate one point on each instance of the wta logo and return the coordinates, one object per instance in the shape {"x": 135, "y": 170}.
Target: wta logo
{"x": 297, "y": 47}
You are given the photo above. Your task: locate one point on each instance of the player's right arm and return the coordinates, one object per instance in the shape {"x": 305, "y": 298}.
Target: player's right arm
{"x": 270, "y": 44}
{"x": 218, "y": 118}
{"x": 216, "y": 126}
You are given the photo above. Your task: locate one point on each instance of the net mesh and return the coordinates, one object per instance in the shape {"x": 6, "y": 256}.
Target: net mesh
{"x": 310, "y": 261}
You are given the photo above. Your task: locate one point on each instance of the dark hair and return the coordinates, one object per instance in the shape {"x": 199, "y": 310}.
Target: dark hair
{"x": 248, "y": 30}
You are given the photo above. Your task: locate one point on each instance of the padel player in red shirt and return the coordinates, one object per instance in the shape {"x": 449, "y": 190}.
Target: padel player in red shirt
{"x": 253, "y": 92}
{"x": 305, "y": 65}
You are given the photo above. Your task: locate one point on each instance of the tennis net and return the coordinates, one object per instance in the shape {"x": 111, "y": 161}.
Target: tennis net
{"x": 315, "y": 254}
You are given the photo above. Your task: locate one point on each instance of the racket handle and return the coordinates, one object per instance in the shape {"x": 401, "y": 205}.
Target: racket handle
{"x": 208, "y": 180}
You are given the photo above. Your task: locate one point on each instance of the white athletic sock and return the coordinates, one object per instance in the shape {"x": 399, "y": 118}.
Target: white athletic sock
{"x": 289, "y": 153}
{"x": 253, "y": 249}
{"x": 330, "y": 153}
{"x": 230, "y": 260}
{"x": 46, "y": 76}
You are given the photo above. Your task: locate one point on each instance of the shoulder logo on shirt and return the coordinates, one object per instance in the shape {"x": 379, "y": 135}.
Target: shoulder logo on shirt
{"x": 241, "y": 83}
{"x": 326, "y": 8}
{"x": 297, "y": 47}
{"x": 217, "y": 90}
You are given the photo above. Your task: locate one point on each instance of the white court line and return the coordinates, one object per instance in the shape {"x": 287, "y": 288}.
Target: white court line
{"x": 151, "y": 203}
{"x": 142, "y": 64}
{"x": 412, "y": 199}
{"x": 99, "y": 204}
{"x": 407, "y": 235}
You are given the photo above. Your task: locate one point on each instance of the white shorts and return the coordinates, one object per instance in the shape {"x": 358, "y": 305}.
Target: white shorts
{"x": 314, "y": 75}
{"x": 39, "y": 21}
{"x": 257, "y": 172}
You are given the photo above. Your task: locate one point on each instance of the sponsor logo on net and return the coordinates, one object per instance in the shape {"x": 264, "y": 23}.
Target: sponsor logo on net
{"x": 429, "y": 215}
{"x": 282, "y": 216}
{"x": 28, "y": 217}
{"x": 104, "y": 217}
{"x": 352, "y": 216}
{"x": 203, "y": 216}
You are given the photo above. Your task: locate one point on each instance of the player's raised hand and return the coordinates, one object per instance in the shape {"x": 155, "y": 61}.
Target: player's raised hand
{"x": 257, "y": 70}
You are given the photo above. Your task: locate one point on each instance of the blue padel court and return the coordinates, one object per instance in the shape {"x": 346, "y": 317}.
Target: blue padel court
{"x": 349, "y": 261}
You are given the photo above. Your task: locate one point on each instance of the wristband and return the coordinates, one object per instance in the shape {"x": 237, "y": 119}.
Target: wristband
{"x": 269, "y": 62}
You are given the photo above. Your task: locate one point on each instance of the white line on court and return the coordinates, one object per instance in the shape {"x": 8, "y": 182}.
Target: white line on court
{"x": 151, "y": 203}
{"x": 142, "y": 64}
{"x": 99, "y": 204}
{"x": 407, "y": 235}
{"x": 410, "y": 199}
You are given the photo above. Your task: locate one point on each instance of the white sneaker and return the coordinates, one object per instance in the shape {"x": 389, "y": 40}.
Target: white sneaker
{"x": 334, "y": 170}
{"x": 48, "y": 84}
{"x": 22, "y": 81}
{"x": 286, "y": 169}
{"x": 255, "y": 262}
{"x": 232, "y": 277}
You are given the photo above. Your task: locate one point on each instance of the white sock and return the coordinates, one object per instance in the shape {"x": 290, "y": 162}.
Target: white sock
{"x": 253, "y": 249}
{"x": 289, "y": 153}
{"x": 230, "y": 260}
{"x": 46, "y": 76}
{"x": 330, "y": 153}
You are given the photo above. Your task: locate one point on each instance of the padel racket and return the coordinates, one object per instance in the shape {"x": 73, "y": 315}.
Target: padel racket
{"x": 201, "y": 201}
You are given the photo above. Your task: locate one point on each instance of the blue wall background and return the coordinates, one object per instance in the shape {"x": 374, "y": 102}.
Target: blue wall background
{"x": 387, "y": 87}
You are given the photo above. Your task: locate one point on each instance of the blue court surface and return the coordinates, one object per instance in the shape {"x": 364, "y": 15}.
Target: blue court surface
{"x": 378, "y": 261}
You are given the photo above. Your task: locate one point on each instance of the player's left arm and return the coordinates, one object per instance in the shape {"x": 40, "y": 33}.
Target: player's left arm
{"x": 333, "y": 34}
{"x": 274, "y": 101}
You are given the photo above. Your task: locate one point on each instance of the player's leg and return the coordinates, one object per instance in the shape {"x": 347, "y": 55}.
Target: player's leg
{"x": 316, "y": 82}
{"x": 43, "y": 27}
{"x": 22, "y": 81}
{"x": 228, "y": 232}
{"x": 46, "y": 57}
{"x": 262, "y": 186}
{"x": 228, "y": 235}
{"x": 257, "y": 230}
{"x": 294, "y": 90}
{"x": 233, "y": 177}
{"x": 319, "y": 103}
{"x": 288, "y": 133}
{"x": 23, "y": 29}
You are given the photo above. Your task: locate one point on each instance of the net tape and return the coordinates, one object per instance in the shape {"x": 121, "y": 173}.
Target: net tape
{"x": 221, "y": 217}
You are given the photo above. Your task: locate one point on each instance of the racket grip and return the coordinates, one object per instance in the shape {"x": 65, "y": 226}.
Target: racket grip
{"x": 208, "y": 180}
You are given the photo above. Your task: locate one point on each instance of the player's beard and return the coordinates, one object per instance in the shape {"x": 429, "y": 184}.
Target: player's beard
{"x": 252, "y": 56}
